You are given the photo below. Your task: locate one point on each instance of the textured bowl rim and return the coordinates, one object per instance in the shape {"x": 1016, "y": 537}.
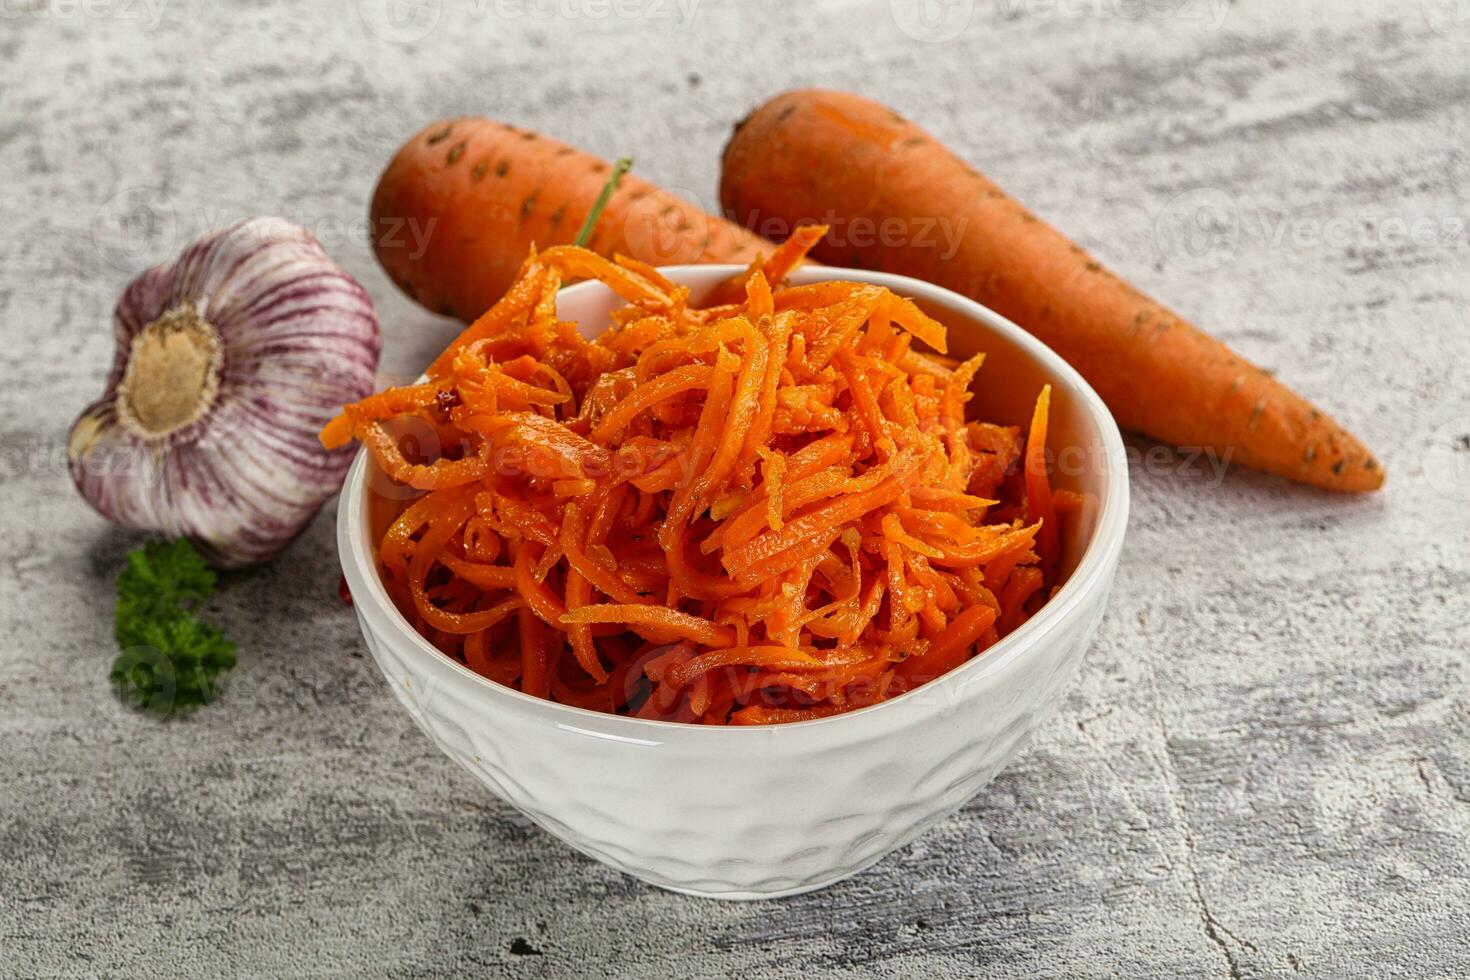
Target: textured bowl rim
{"x": 359, "y": 564}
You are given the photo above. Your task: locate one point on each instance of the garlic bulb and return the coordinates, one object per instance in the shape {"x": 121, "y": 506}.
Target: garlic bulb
{"x": 228, "y": 362}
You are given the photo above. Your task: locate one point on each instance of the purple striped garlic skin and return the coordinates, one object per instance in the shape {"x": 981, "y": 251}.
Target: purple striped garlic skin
{"x": 229, "y": 361}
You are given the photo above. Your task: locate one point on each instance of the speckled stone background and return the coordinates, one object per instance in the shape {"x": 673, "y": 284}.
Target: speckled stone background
{"x": 1264, "y": 769}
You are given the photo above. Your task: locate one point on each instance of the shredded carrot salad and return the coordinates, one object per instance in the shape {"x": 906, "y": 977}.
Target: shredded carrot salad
{"x": 764, "y": 511}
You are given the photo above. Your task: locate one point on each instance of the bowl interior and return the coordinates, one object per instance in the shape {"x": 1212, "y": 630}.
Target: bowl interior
{"x": 1087, "y": 448}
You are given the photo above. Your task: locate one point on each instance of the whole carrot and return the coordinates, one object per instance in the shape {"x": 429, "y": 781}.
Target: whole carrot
{"x": 815, "y": 155}
{"x": 463, "y": 201}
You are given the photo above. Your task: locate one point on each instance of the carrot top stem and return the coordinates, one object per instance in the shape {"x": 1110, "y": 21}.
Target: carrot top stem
{"x": 623, "y": 165}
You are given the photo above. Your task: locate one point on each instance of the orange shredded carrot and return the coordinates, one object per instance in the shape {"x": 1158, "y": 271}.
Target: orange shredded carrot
{"x": 1040, "y": 508}
{"x": 762, "y": 511}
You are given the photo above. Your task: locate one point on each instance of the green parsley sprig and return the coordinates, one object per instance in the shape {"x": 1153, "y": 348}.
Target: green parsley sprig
{"x": 170, "y": 660}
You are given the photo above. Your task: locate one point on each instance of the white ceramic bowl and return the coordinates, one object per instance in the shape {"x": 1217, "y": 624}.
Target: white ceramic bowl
{"x": 766, "y": 811}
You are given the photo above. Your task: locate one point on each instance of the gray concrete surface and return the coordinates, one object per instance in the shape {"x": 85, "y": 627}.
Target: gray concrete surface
{"x": 1264, "y": 769}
